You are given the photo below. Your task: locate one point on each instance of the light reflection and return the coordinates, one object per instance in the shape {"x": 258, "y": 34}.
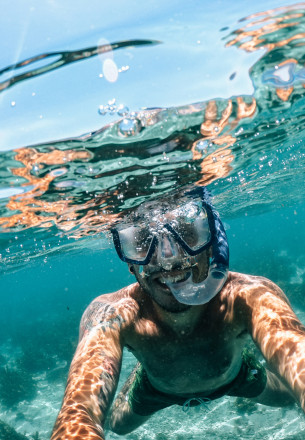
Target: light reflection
{"x": 274, "y": 30}
{"x": 68, "y": 57}
{"x": 217, "y": 164}
{"x": 265, "y": 23}
{"x": 31, "y": 209}
{"x": 153, "y": 151}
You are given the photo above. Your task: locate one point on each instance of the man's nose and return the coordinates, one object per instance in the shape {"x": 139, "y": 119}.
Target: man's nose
{"x": 168, "y": 247}
{"x": 169, "y": 254}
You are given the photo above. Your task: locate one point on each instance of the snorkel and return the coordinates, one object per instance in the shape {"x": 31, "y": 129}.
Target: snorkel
{"x": 191, "y": 293}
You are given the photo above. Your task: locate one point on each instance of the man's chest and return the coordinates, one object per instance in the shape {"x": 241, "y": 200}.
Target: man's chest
{"x": 203, "y": 353}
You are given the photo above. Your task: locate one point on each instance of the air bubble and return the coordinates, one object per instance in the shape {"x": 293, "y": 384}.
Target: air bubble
{"x": 111, "y": 109}
{"x": 35, "y": 169}
{"x": 129, "y": 127}
{"x": 201, "y": 145}
{"x": 102, "y": 110}
{"x": 123, "y": 110}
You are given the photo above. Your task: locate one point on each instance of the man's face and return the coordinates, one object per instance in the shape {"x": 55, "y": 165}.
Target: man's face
{"x": 166, "y": 243}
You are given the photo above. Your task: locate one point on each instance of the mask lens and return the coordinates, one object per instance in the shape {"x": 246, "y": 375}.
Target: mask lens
{"x": 135, "y": 241}
{"x": 193, "y": 226}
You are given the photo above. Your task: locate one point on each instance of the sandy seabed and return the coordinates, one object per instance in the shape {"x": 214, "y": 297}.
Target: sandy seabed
{"x": 226, "y": 418}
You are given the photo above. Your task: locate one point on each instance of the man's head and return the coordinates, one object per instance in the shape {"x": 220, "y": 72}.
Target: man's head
{"x": 176, "y": 247}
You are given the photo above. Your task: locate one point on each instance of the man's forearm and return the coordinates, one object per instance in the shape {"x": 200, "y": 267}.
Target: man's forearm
{"x": 74, "y": 421}
{"x": 94, "y": 372}
{"x": 92, "y": 382}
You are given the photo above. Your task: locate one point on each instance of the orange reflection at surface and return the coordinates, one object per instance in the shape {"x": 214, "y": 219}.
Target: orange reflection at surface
{"x": 217, "y": 164}
{"x": 32, "y": 210}
{"x": 265, "y": 23}
{"x": 284, "y": 92}
{"x": 274, "y": 29}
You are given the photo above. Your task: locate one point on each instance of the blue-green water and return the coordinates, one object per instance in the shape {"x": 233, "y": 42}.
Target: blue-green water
{"x": 141, "y": 102}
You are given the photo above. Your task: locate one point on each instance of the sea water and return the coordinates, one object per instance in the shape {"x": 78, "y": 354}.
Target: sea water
{"x": 105, "y": 107}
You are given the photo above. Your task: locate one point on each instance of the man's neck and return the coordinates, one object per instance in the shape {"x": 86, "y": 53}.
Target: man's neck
{"x": 183, "y": 321}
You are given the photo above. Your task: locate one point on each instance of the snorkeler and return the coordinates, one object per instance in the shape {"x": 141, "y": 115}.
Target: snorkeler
{"x": 187, "y": 320}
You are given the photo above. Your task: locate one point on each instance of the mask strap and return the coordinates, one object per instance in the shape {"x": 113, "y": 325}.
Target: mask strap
{"x": 220, "y": 246}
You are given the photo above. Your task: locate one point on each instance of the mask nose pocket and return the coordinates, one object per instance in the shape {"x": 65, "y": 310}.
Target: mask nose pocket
{"x": 167, "y": 247}
{"x": 168, "y": 251}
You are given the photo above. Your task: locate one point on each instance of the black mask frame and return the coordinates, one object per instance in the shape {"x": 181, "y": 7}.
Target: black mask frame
{"x": 154, "y": 242}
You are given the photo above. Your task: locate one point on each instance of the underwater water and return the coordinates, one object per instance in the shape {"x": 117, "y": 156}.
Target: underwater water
{"x": 107, "y": 106}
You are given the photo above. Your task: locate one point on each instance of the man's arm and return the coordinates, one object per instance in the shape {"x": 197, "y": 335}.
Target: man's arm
{"x": 94, "y": 371}
{"x": 279, "y": 334}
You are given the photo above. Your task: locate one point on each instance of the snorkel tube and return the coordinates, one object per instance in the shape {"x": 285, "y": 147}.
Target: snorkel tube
{"x": 191, "y": 293}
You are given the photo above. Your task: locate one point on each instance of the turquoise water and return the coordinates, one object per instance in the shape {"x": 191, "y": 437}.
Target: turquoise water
{"x": 102, "y": 109}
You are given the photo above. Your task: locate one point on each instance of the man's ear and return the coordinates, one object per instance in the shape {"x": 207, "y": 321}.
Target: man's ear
{"x": 131, "y": 269}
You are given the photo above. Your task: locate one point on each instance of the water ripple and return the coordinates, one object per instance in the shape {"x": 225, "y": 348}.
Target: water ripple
{"x": 246, "y": 149}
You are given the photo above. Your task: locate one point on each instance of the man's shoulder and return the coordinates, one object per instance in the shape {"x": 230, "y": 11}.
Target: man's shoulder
{"x": 241, "y": 284}
{"x": 246, "y": 296}
{"x": 120, "y": 308}
{"x": 246, "y": 279}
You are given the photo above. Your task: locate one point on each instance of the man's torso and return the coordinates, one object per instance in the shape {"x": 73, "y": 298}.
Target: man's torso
{"x": 193, "y": 356}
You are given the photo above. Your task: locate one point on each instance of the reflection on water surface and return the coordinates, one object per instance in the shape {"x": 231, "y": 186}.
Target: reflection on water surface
{"x": 245, "y": 148}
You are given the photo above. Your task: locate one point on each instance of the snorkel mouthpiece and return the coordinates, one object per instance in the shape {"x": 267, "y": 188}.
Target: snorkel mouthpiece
{"x": 193, "y": 294}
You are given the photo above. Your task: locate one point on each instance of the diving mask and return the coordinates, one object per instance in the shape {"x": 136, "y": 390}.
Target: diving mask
{"x": 188, "y": 225}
